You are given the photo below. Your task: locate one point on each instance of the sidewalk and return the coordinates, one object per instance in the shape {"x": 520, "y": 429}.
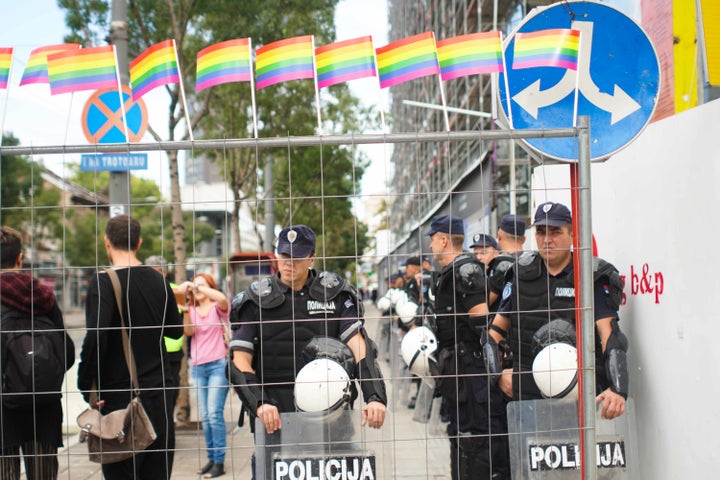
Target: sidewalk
{"x": 410, "y": 450}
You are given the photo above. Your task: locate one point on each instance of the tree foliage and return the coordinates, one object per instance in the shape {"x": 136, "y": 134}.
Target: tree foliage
{"x": 85, "y": 246}
{"x": 226, "y": 111}
{"x": 25, "y": 202}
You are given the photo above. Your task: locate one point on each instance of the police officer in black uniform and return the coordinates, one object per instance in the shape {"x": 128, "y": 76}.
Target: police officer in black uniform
{"x": 276, "y": 317}
{"x": 542, "y": 289}
{"x": 487, "y": 250}
{"x": 476, "y": 452}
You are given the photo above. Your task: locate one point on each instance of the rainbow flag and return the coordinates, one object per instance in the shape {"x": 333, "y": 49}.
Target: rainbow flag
{"x": 557, "y": 47}
{"x": 224, "y": 62}
{"x": 5, "y": 63}
{"x": 289, "y": 59}
{"x": 84, "y": 69}
{"x": 344, "y": 61}
{"x": 407, "y": 59}
{"x": 36, "y": 66}
{"x": 155, "y": 67}
{"x": 471, "y": 54}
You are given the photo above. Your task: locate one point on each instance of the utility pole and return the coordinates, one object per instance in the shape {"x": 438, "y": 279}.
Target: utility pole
{"x": 120, "y": 181}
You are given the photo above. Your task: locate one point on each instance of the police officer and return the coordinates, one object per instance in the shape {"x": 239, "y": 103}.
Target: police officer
{"x": 511, "y": 235}
{"x": 461, "y": 316}
{"x": 542, "y": 288}
{"x": 276, "y": 317}
{"x": 487, "y": 250}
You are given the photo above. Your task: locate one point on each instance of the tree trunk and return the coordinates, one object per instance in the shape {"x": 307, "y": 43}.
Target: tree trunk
{"x": 178, "y": 226}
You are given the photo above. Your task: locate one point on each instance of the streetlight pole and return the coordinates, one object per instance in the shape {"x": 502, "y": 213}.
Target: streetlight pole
{"x": 120, "y": 181}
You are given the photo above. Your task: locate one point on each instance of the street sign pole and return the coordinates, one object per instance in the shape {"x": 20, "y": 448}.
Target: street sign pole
{"x": 120, "y": 181}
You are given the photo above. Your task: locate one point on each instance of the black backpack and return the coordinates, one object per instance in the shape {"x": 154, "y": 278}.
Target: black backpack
{"x": 33, "y": 359}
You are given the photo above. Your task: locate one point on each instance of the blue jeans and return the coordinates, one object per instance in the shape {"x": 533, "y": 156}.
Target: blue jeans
{"x": 212, "y": 390}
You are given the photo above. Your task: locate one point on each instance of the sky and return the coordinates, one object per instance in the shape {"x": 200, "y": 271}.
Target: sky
{"x": 37, "y": 118}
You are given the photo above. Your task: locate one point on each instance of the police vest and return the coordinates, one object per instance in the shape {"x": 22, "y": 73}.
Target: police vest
{"x": 288, "y": 321}
{"x": 540, "y": 298}
{"x": 465, "y": 275}
{"x": 496, "y": 270}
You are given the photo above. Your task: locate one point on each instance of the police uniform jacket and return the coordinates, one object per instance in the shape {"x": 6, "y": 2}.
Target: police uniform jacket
{"x": 532, "y": 297}
{"x": 278, "y": 322}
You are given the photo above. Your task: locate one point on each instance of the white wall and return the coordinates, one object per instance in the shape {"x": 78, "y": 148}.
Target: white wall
{"x": 655, "y": 218}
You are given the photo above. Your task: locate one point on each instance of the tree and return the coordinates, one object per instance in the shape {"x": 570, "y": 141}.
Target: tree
{"x": 289, "y": 107}
{"x": 85, "y": 246}
{"x": 26, "y": 203}
{"x": 225, "y": 111}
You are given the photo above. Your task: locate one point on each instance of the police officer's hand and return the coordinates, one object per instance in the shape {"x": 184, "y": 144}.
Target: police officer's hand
{"x": 373, "y": 415}
{"x": 505, "y": 382}
{"x": 270, "y": 417}
{"x": 613, "y": 405}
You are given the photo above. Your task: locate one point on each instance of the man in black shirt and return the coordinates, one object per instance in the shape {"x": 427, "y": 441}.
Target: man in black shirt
{"x": 150, "y": 312}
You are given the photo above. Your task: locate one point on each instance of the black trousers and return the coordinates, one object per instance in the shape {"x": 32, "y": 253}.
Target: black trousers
{"x": 40, "y": 459}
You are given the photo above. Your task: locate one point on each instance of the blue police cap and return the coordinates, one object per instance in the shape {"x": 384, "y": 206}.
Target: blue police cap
{"x": 513, "y": 225}
{"x": 446, "y": 224}
{"x": 298, "y": 241}
{"x": 552, "y": 214}
{"x": 484, "y": 240}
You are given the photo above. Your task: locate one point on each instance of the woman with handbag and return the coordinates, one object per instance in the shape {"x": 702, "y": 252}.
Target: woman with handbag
{"x": 206, "y": 321}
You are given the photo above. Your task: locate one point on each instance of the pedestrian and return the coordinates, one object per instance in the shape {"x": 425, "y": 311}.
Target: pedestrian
{"x": 206, "y": 321}
{"x": 174, "y": 346}
{"x": 277, "y": 317}
{"x": 511, "y": 235}
{"x": 542, "y": 288}
{"x": 150, "y": 313}
{"x": 478, "y": 441}
{"x": 32, "y": 428}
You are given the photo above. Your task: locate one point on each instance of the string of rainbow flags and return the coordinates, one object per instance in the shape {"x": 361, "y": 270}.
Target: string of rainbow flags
{"x": 68, "y": 68}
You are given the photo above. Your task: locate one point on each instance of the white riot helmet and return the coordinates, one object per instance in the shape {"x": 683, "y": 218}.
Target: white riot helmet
{"x": 555, "y": 371}
{"x": 384, "y": 304}
{"x": 555, "y": 363}
{"x": 417, "y": 348}
{"x": 322, "y": 386}
{"x": 407, "y": 311}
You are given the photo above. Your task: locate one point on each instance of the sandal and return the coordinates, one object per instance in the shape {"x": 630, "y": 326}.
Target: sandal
{"x": 216, "y": 470}
{"x": 208, "y": 466}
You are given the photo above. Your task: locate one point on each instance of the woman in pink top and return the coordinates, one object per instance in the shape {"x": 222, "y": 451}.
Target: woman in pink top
{"x": 206, "y": 321}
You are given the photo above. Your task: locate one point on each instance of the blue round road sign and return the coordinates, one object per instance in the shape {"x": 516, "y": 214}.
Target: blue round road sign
{"x": 102, "y": 118}
{"x": 618, "y": 80}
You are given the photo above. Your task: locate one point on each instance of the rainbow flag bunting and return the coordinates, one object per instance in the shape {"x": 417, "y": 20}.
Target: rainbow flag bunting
{"x": 289, "y": 59}
{"x": 344, "y": 61}
{"x": 5, "y": 63}
{"x": 36, "y": 67}
{"x": 472, "y": 54}
{"x": 224, "y": 62}
{"x": 85, "y": 69}
{"x": 407, "y": 59}
{"x": 155, "y": 67}
{"x": 557, "y": 47}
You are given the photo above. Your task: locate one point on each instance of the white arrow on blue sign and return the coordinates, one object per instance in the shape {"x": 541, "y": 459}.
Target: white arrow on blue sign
{"x": 618, "y": 80}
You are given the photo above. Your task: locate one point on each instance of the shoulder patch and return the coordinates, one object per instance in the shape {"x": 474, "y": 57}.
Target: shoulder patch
{"x": 507, "y": 290}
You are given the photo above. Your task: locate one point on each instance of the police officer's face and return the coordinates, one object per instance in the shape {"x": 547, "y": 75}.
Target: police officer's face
{"x": 485, "y": 254}
{"x": 294, "y": 271}
{"x": 438, "y": 242}
{"x": 554, "y": 243}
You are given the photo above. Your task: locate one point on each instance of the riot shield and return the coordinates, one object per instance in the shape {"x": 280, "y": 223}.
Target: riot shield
{"x": 308, "y": 447}
{"x": 544, "y": 442}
